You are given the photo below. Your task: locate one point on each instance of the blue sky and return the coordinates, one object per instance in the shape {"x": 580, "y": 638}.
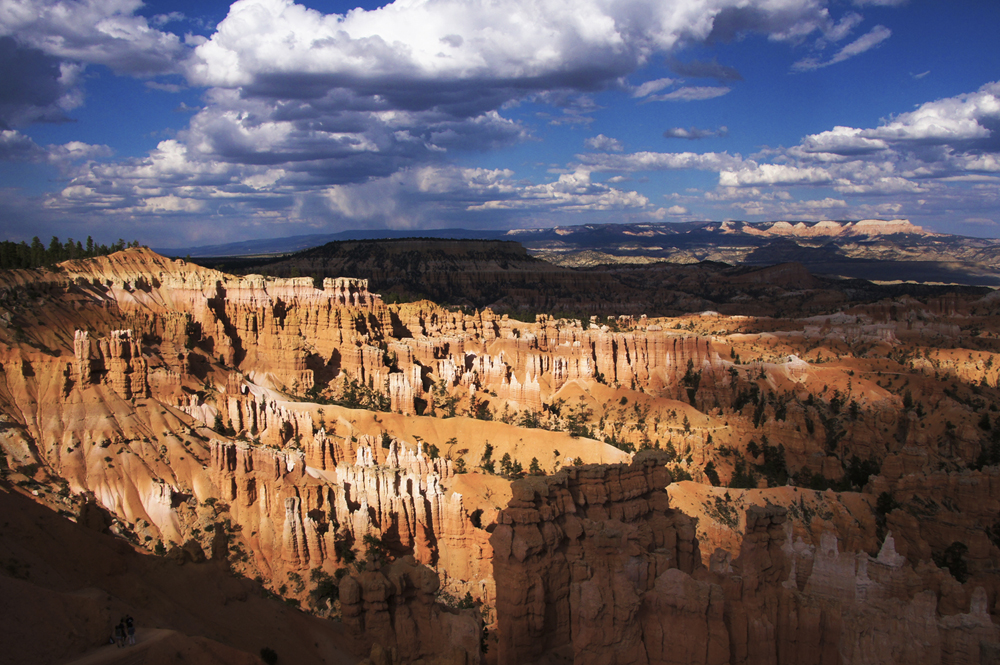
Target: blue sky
{"x": 184, "y": 123}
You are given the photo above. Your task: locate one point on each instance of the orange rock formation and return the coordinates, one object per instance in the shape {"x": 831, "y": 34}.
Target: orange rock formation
{"x": 357, "y": 458}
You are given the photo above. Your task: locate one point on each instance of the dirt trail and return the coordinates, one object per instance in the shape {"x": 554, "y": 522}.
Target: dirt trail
{"x": 111, "y": 654}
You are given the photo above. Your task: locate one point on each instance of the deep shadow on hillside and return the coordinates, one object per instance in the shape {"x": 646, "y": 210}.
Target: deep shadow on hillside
{"x": 65, "y": 585}
{"x": 503, "y": 276}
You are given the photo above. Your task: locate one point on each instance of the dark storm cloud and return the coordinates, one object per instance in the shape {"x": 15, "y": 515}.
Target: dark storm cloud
{"x": 30, "y": 86}
{"x": 733, "y": 22}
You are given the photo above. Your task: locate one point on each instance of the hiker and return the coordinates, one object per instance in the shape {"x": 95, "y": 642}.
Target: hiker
{"x": 120, "y": 634}
{"x": 130, "y": 627}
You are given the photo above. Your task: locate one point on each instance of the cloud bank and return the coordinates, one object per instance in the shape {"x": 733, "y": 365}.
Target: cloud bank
{"x": 313, "y": 119}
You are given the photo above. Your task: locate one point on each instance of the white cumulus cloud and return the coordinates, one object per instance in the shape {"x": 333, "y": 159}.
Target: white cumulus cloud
{"x": 540, "y": 40}
{"x": 752, "y": 173}
{"x": 106, "y": 32}
{"x": 602, "y": 142}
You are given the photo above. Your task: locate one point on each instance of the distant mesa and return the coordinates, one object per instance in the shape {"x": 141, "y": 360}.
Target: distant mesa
{"x": 864, "y": 227}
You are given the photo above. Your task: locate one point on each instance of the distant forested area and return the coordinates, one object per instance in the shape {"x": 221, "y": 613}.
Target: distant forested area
{"x": 36, "y": 254}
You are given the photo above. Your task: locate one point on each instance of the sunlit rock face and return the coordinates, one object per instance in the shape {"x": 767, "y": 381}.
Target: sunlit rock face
{"x": 302, "y": 431}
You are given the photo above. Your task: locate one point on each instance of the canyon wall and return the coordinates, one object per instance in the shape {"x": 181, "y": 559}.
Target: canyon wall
{"x": 287, "y": 334}
{"x": 599, "y": 569}
{"x": 188, "y": 405}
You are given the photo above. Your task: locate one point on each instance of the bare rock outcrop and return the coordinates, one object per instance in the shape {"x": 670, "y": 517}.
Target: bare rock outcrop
{"x": 119, "y": 362}
{"x": 396, "y": 607}
{"x": 599, "y": 569}
{"x": 577, "y": 552}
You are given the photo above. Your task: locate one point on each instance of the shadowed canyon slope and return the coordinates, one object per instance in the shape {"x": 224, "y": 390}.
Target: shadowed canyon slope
{"x": 462, "y": 487}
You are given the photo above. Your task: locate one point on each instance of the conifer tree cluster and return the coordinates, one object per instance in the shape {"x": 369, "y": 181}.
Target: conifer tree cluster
{"x": 36, "y": 254}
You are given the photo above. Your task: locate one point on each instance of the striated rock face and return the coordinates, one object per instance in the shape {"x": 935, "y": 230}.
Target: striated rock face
{"x": 872, "y": 610}
{"x": 304, "y": 517}
{"x": 81, "y": 351}
{"x": 969, "y": 503}
{"x": 401, "y": 392}
{"x": 251, "y": 410}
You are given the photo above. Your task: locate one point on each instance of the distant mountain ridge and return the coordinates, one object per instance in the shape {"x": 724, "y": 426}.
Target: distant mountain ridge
{"x": 866, "y": 227}
{"x": 867, "y": 249}
{"x": 291, "y": 244}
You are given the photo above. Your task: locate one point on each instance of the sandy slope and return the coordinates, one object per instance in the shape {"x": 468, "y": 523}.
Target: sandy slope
{"x": 471, "y": 437}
